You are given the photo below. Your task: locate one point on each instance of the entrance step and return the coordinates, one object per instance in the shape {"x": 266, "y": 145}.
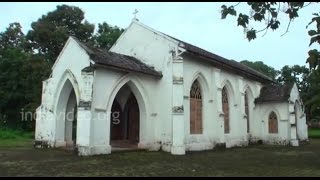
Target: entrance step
{"x": 122, "y": 149}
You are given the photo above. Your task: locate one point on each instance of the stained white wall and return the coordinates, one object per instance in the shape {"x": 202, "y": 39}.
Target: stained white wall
{"x": 282, "y": 112}
{"x": 102, "y": 88}
{"x": 68, "y": 66}
{"x": 301, "y": 127}
{"x": 107, "y": 84}
{"x": 154, "y": 50}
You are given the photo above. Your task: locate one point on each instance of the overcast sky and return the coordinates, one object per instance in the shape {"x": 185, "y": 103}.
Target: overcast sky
{"x": 197, "y": 23}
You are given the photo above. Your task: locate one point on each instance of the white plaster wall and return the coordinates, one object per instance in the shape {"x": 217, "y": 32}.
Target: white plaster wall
{"x": 301, "y": 126}
{"x": 253, "y": 89}
{"x": 45, "y": 121}
{"x": 212, "y": 81}
{"x": 72, "y": 58}
{"x": 282, "y": 111}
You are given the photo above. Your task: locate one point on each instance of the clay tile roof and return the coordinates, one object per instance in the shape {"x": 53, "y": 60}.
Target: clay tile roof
{"x": 274, "y": 93}
{"x": 221, "y": 62}
{"x": 108, "y": 59}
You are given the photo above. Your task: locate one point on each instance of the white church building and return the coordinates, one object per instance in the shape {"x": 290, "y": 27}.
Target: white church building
{"x": 152, "y": 91}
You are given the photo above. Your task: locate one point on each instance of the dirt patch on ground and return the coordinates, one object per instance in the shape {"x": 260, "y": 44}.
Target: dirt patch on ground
{"x": 256, "y": 160}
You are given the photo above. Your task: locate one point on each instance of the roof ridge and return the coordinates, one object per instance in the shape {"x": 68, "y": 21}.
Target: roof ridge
{"x": 209, "y": 52}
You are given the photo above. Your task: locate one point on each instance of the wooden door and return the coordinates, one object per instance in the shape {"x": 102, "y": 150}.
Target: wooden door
{"x": 117, "y": 124}
{"x": 74, "y": 124}
{"x": 133, "y": 119}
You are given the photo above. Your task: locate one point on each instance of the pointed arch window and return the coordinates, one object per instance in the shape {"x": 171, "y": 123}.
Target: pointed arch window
{"x": 195, "y": 108}
{"x": 273, "y": 123}
{"x": 246, "y": 109}
{"x": 225, "y": 108}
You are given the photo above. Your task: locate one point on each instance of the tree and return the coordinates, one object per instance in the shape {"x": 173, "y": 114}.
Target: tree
{"x": 261, "y": 67}
{"x": 50, "y": 33}
{"x": 312, "y": 101}
{"x": 12, "y": 37}
{"x": 107, "y": 35}
{"x": 268, "y": 13}
{"x": 297, "y": 74}
{"x": 21, "y": 76}
{"x": 301, "y": 76}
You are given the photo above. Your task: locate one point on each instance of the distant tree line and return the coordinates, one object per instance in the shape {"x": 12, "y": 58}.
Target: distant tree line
{"x": 307, "y": 80}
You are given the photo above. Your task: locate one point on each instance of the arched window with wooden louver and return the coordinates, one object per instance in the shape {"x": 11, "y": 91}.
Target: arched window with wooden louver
{"x": 246, "y": 105}
{"x": 273, "y": 123}
{"x": 225, "y": 108}
{"x": 195, "y": 108}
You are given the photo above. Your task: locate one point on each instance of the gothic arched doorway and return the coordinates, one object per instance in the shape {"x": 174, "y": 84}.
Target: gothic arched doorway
{"x": 125, "y": 119}
{"x": 66, "y": 114}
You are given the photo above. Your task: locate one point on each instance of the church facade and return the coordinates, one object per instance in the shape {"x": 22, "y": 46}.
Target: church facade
{"x": 155, "y": 92}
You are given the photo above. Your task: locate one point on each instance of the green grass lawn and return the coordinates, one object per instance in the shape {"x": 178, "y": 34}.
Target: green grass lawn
{"x": 314, "y": 133}
{"x": 15, "y": 138}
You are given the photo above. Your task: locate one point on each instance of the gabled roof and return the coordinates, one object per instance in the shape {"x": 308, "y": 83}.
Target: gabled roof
{"x": 226, "y": 64}
{"x": 108, "y": 59}
{"x": 274, "y": 93}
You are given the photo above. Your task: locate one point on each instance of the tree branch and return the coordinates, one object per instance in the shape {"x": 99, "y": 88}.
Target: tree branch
{"x": 237, "y": 4}
{"x": 306, "y": 5}
{"x": 287, "y": 28}
{"x": 278, "y": 9}
{"x": 265, "y": 32}
{"x": 267, "y": 24}
{"x": 263, "y": 29}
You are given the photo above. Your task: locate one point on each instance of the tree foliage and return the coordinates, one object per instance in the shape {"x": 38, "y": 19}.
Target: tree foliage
{"x": 21, "y": 76}
{"x": 297, "y": 74}
{"x": 12, "y": 37}
{"x": 107, "y": 35}
{"x": 51, "y": 31}
{"x": 261, "y": 67}
{"x": 268, "y": 13}
{"x": 308, "y": 82}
